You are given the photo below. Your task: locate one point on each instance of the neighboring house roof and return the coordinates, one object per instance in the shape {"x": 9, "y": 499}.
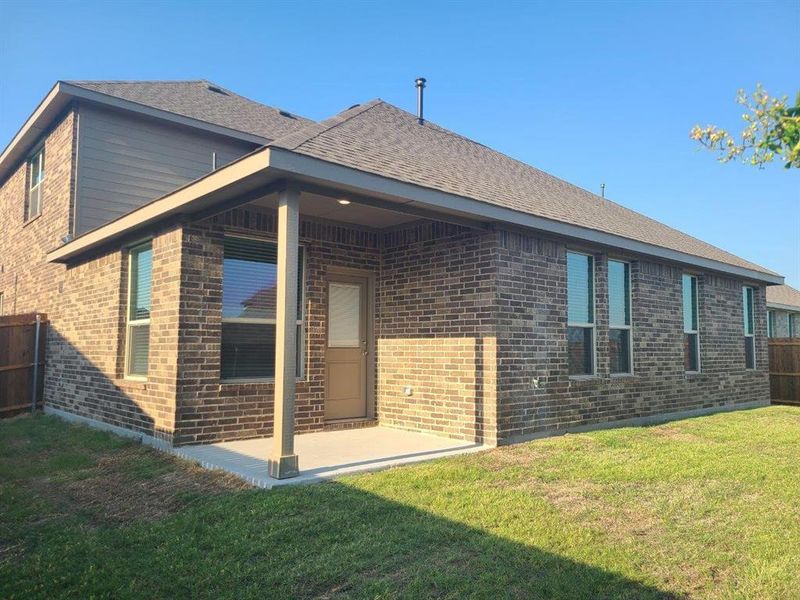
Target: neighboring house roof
{"x": 264, "y": 301}
{"x": 383, "y": 139}
{"x": 204, "y": 101}
{"x": 783, "y": 296}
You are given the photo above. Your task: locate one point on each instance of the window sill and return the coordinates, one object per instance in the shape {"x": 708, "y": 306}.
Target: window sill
{"x": 31, "y": 220}
{"x": 623, "y": 375}
{"x": 132, "y": 384}
{"x": 692, "y": 374}
{"x": 253, "y": 381}
{"x": 584, "y": 378}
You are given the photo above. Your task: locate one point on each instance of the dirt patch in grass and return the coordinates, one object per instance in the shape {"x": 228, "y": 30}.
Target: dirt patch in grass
{"x": 119, "y": 489}
{"x": 678, "y": 435}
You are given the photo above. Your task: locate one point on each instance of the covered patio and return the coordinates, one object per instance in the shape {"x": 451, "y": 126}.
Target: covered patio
{"x": 327, "y": 454}
{"x": 373, "y": 301}
{"x": 350, "y": 359}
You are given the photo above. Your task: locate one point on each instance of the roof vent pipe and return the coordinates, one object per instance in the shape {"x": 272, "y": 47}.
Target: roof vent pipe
{"x": 420, "y": 83}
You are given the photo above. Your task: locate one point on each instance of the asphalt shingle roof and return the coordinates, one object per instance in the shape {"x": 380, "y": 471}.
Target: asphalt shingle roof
{"x": 380, "y": 138}
{"x": 783, "y": 294}
{"x": 199, "y": 100}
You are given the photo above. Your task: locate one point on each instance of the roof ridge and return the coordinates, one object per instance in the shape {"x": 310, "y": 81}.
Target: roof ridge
{"x": 135, "y": 81}
{"x": 282, "y": 112}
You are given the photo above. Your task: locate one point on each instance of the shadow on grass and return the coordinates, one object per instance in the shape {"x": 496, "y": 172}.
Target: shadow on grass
{"x": 328, "y": 540}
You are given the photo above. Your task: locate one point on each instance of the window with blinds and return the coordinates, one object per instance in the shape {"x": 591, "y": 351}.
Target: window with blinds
{"x": 691, "y": 336}
{"x": 35, "y": 185}
{"x": 580, "y": 313}
{"x": 619, "y": 317}
{"x": 249, "y": 297}
{"x": 749, "y": 328}
{"x": 139, "y": 296}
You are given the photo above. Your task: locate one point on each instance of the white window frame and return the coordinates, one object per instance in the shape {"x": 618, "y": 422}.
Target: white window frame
{"x": 38, "y": 188}
{"x": 789, "y": 329}
{"x": 771, "y": 323}
{"x": 752, "y": 334}
{"x": 629, "y": 327}
{"x": 300, "y": 321}
{"x": 696, "y": 309}
{"x": 591, "y": 325}
{"x": 131, "y": 323}
{"x": 1, "y": 304}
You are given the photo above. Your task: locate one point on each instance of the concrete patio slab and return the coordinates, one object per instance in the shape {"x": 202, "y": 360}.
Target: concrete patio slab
{"x": 327, "y": 454}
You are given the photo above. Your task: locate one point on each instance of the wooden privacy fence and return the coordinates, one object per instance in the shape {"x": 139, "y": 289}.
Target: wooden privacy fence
{"x": 22, "y": 353}
{"x": 784, "y": 370}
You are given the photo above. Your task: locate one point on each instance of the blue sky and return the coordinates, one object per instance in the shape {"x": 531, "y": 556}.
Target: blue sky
{"x": 591, "y": 92}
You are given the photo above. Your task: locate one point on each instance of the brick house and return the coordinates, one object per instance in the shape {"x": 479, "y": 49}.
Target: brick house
{"x": 783, "y": 311}
{"x": 216, "y": 269}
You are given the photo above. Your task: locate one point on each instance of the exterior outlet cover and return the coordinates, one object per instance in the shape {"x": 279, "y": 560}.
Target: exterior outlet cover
{"x": 408, "y": 391}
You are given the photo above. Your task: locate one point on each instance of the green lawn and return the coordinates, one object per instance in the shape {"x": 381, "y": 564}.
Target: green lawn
{"x": 707, "y": 507}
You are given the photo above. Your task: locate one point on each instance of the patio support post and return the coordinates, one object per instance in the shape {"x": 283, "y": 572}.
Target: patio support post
{"x": 283, "y": 461}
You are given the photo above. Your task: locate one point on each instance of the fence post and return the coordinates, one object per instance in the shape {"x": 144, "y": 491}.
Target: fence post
{"x": 34, "y": 391}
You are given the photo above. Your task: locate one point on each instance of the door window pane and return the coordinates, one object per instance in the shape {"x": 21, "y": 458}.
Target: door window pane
{"x": 344, "y": 310}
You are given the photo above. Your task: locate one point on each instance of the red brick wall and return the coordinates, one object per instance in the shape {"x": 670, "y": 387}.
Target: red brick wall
{"x": 209, "y": 409}
{"x": 436, "y": 331}
{"x": 85, "y": 373}
{"x": 532, "y": 344}
{"x": 85, "y": 302}
{"x": 467, "y": 319}
{"x": 28, "y": 283}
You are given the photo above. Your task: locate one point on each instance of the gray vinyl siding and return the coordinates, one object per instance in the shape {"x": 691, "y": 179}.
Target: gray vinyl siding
{"x": 125, "y": 161}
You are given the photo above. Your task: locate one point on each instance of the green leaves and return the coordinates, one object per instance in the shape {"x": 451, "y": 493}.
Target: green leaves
{"x": 772, "y": 131}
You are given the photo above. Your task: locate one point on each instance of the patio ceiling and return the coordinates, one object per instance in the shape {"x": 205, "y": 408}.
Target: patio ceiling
{"x": 328, "y": 207}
